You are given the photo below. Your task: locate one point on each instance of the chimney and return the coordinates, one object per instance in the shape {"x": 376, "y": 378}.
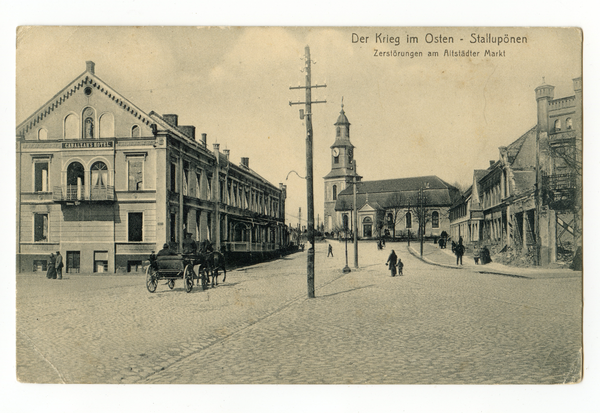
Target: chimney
{"x": 216, "y": 151}
{"x": 492, "y": 162}
{"x": 246, "y": 162}
{"x": 170, "y": 119}
{"x": 204, "y": 139}
{"x": 189, "y": 131}
{"x": 226, "y": 152}
{"x": 90, "y": 67}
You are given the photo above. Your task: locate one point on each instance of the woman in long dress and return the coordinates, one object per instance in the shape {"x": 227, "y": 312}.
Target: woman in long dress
{"x": 51, "y": 273}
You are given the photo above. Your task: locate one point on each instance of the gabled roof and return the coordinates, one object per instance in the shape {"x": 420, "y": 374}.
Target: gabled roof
{"x": 514, "y": 148}
{"x": 86, "y": 79}
{"x": 401, "y": 184}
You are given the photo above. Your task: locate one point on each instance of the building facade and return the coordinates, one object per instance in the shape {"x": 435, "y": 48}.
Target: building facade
{"x": 106, "y": 183}
{"x": 503, "y": 203}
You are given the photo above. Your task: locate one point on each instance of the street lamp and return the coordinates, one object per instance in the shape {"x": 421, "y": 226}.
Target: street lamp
{"x": 346, "y": 268}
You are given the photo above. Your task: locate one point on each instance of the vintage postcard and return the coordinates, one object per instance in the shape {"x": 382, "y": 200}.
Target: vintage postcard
{"x": 299, "y": 205}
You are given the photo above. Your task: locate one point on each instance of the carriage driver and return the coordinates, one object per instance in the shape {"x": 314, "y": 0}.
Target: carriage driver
{"x": 189, "y": 245}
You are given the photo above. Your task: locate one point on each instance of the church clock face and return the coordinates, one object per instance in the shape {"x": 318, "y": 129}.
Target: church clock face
{"x": 336, "y": 152}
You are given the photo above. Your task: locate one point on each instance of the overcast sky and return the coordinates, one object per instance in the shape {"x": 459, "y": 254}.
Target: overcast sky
{"x": 441, "y": 116}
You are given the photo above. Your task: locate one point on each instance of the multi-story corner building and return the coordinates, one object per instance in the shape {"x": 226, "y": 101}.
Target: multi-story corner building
{"x": 501, "y": 207}
{"x": 106, "y": 183}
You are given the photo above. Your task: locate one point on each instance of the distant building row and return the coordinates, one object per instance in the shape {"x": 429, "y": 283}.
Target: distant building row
{"x": 106, "y": 183}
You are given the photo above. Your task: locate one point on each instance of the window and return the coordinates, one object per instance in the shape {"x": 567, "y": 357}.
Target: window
{"x": 99, "y": 174}
{"x": 569, "y": 123}
{"x": 41, "y": 177}
{"x": 73, "y": 262}
{"x": 136, "y": 173}
{"x": 173, "y": 228}
{"x": 42, "y": 134}
{"x": 408, "y": 220}
{"x": 100, "y": 261}
{"x": 435, "y": 219}
{"x": 198, "y": 183}
{"x": 71, "y": 127}
{"x": 334, "y": 192}
{"x": 75, "y": 181}
{"x": 345, "y": 222}
{"x": 135, "y": 266}
{"x": 40, "y": 225}
{"x": 186, "y": 174}
{"x": 557, "y": 125}
{"x": 40, "y": 265}
{"x": 173, "y": 177}
{"x": 135, "y": 131}
{"x": 135, "y": 224}
{"x": 107, "y": 126}
{"x": 336, "y": 159}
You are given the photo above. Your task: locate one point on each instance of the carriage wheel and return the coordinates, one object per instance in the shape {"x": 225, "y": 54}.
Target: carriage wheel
{"x": 151, "y": 279}
{"x": 188, "y": 278}
{"x": 204, "y": 277}
{"x": 171, "y": 284}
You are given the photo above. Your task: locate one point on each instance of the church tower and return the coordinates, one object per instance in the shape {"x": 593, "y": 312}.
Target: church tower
{"x": 341, "y": 174}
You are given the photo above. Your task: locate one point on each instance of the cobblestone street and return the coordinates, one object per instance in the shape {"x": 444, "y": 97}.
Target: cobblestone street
{"x": 432, "y": 325}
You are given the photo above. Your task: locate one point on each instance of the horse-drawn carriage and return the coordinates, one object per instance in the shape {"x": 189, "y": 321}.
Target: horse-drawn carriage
{"x": 181, "y": 267}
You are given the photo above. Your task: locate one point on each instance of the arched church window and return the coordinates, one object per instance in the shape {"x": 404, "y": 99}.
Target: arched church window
{"x": 435, "y": 219}
{"x": 408, "y": 220}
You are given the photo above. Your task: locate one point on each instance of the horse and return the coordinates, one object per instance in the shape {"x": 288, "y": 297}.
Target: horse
{"x": 212, "y": 262}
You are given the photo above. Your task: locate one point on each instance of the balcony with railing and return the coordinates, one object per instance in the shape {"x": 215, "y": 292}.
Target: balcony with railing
{"x": 559, "y": 191}
{"x": 82, "y": 193}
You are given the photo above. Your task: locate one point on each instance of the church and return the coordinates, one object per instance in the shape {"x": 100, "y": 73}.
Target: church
{"x": 389, "y": 207}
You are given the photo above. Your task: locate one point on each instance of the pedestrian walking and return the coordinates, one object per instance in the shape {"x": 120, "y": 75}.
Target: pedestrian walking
{"x": 459, "y": 250}
{"x": 485, "y": 256}
{"x": 391, "y": 263}
{"x": 58, "y": 265}
{"x": 329, "y": 251}
{"x": 476, "y": 255}
{"x": 51, "y": 272}
{"x": 400, "y": 266}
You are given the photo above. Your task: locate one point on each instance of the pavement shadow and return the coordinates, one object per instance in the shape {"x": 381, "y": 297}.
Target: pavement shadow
{"x": 346, "y": 291}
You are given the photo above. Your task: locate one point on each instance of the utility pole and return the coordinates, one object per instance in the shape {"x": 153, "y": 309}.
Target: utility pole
{"x": 310, "y": 218}
{"x": 421, "y": 219}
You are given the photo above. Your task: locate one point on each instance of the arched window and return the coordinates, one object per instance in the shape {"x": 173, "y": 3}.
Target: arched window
{"x": 408, "y": 220}
{"x": 435, "y": 219}
{"x": 71, "y": 127}
{"x": 335, "y": 192}
{"x": 88, "y": 123}
{"x": 75, "y": 181}
{"x": 569, "y": 123}
{"x": 557, "y": 125}
{"x": 42, "y": 134}
{"x": 107, "y": 126}
{"x": 99, "y": 174}
{"x": 367, "y": 227}
{"x": 135, "y": 131}
{"x": 345, "y": 221}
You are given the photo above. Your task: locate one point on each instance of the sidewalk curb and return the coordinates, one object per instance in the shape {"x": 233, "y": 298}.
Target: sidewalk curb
{"x": 456, "y": 267}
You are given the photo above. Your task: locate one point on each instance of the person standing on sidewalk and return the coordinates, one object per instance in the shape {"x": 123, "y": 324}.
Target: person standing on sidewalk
{"x": 459, "y": 250}
{"x": 58, "y": 265}
{"x": 330, "y": 251}
{"x": 391, "y": 263}
{"x": 51, "y": 273}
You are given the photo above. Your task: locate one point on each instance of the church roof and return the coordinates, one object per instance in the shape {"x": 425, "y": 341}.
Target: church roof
{"x": 391, "y": 193}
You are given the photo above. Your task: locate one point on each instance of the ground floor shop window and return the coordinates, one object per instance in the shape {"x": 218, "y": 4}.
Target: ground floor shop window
{"x": 100, "y": 261}
{"x": 135, "y": 266}
{"x": 39, "y": 265}
{"x": 73, "y": 262}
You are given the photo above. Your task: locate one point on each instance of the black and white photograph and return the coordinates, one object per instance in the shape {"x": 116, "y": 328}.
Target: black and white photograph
{"x": 292, "y": 205}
